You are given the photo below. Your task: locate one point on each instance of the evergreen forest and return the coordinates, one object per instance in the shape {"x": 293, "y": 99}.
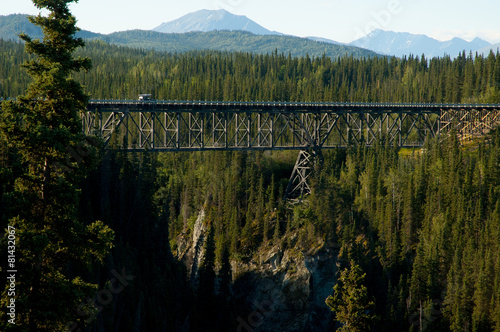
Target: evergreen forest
{"x": 415, "y": 231}
{"x": 122, "y": 73}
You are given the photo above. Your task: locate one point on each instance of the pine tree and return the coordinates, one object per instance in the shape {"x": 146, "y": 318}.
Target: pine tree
{"x": 42, "y": 128}
{"x": 350, "y": 300}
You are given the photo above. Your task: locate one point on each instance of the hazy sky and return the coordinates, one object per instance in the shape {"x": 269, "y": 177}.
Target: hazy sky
{"x": 340, "y": 20}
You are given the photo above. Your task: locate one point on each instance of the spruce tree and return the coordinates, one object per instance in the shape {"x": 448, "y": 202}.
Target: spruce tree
{"x": 43, "y": 130}
{"x": 350, "y": 301}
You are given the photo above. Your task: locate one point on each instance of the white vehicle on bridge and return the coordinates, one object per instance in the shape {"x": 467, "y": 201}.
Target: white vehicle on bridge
{"x": 145, "y": 97}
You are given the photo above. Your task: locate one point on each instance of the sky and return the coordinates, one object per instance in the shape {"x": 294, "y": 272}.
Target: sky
{"x": 340, "y": 20}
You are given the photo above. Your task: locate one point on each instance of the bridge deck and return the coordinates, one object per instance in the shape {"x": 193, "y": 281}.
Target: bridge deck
{"x": 163, "y": 105}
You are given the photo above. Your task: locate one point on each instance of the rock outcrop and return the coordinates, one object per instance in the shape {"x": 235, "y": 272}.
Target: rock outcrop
{"x": 286, "y": 290}
{"x": 279, "y": 289}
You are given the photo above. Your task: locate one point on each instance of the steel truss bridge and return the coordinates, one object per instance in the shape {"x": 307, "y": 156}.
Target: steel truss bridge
{"x": 308, "y": 127}
{"x": 194, "y": 126}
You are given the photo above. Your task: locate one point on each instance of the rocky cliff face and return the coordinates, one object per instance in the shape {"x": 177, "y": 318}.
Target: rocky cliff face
{"x": 190, "y": 250}
{"x": 278, "y": 289}
{"x": 286, "y": 290}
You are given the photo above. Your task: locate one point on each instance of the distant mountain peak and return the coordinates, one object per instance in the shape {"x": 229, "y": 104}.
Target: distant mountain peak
{"x": 210, "y": 20}
{"x": 404, "y": 43}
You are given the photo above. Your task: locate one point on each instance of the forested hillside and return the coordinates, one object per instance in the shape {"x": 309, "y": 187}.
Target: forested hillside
{"x": 231, "y": 41}
{"x": 423, "y": 224}
{"x": 123, "y": 73}
{"x": 222, "y": 40}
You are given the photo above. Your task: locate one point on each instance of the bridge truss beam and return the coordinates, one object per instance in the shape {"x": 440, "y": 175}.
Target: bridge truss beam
{"x": 240, "y": 126}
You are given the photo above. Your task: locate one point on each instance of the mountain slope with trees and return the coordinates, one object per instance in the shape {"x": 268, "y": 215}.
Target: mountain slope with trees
{"x": 232, "y": 41}
{"x": 225, "y": 40}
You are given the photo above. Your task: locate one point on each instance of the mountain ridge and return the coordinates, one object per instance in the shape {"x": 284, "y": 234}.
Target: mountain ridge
{"x": 223, "y": 40}
{"x": 217, "y": 24}
{"x": 12, "y": 25}
{"x": 490, "y": 48}
{"x": 383, "y": 42}
{"x": 233, "y": 41}
{"x": 404, "y": 43}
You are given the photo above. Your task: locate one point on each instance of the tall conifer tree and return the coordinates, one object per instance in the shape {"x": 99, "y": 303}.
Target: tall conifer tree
{"x": 351, "y": 302}
{"x": 43, "y": 130}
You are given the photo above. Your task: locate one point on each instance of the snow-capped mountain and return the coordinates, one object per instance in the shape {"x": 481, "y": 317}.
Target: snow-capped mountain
{"x": 403, "y": 43}
{"x": 210, "y": 20}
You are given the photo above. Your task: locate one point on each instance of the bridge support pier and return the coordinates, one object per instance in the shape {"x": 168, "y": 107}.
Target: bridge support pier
{"x": 298, "y": 187}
